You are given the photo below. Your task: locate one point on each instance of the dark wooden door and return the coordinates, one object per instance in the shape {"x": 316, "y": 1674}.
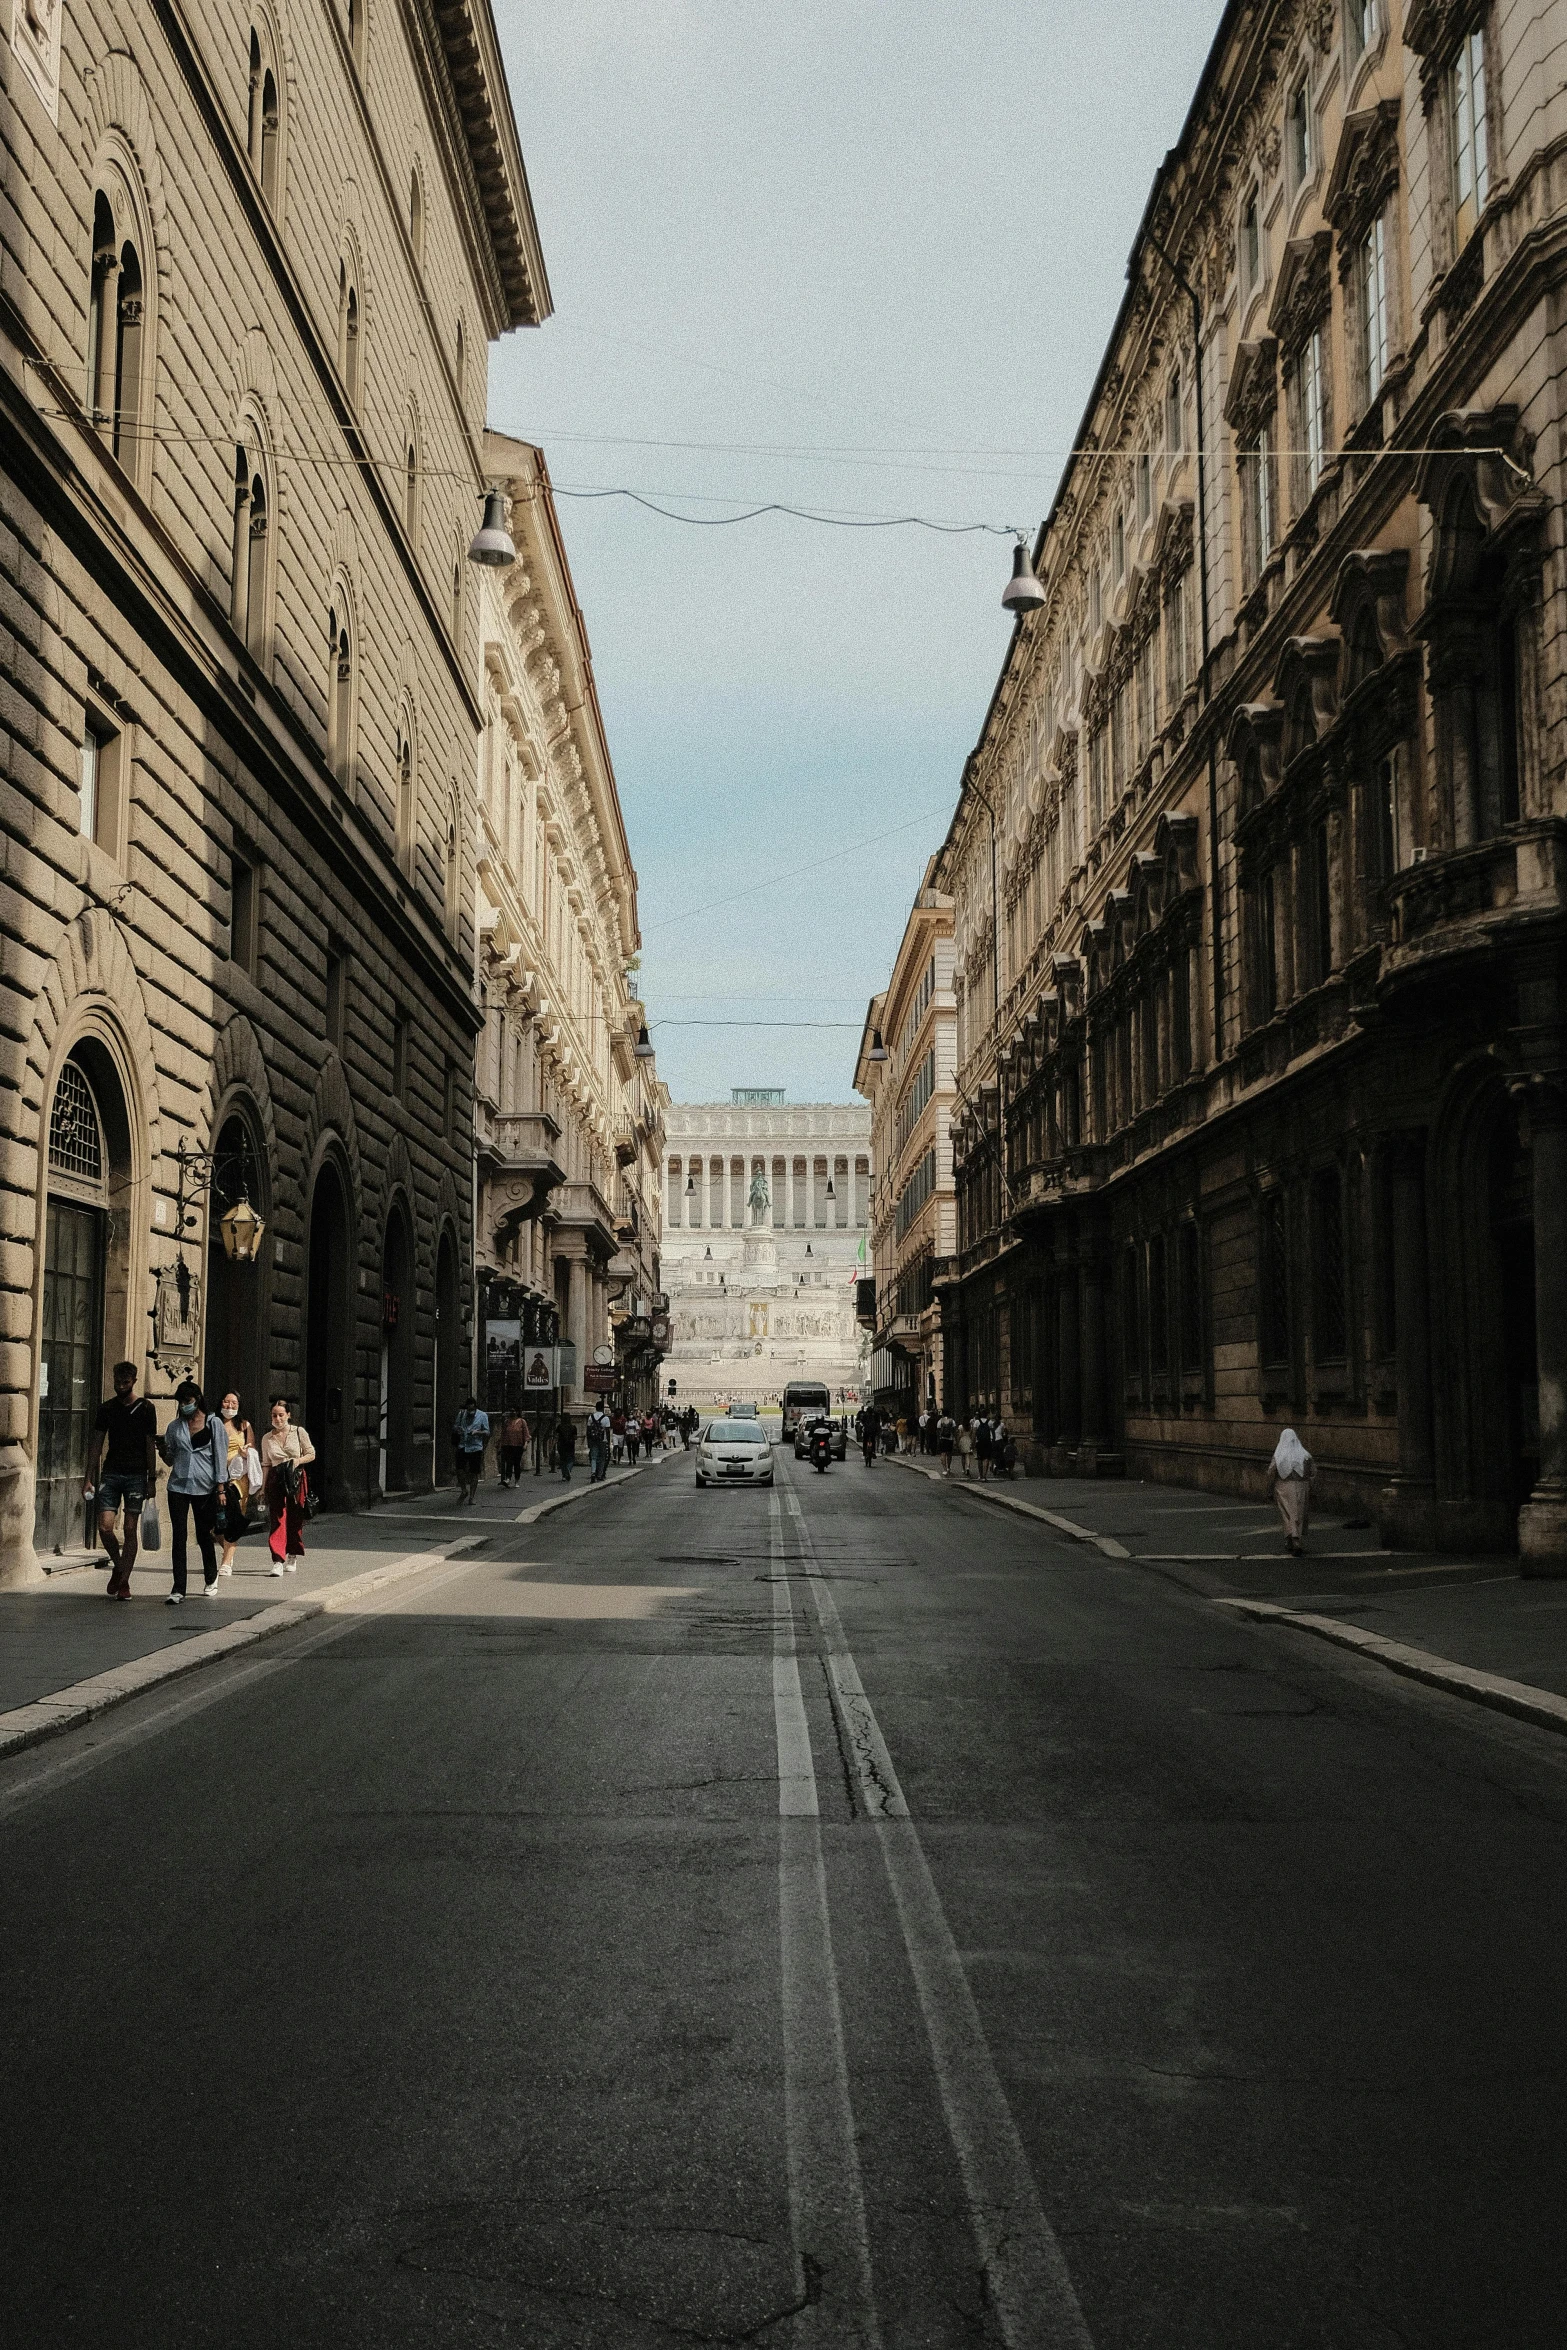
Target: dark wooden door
{"x": 71, "y": 1371}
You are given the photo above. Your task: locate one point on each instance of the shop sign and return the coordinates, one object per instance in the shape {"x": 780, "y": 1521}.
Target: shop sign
{"x": 660, "y": 1331}
{"x": 601, "y": 1379}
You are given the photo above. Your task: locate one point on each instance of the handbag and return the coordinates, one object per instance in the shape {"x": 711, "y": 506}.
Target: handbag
{"x": 151, "y": 1525}
{"x": 234, "y": 1516}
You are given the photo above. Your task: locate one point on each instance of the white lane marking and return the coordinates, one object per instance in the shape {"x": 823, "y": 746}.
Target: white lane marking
{"x": 120, "y": 1732}
{"x": 833, "y": 2281}
{"x": 1029, "y": 2284}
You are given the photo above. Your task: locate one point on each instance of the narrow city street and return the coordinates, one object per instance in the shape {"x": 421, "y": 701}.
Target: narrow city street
{"x": 849, "y": 1914}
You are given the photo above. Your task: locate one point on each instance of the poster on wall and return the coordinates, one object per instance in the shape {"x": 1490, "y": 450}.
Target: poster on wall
{"x": 538, "y": 1369}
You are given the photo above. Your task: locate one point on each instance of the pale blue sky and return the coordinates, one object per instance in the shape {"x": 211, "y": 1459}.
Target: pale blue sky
{"x": 894, "y": 230}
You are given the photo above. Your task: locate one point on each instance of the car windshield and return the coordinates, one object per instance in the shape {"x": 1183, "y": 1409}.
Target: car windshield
{"x": 735, "y": 1432}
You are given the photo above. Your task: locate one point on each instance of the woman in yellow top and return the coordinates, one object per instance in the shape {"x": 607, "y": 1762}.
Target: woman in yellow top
{"x": 241, "y": 1441}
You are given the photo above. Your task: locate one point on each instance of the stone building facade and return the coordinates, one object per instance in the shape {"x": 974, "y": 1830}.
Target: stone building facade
{"x": 254, "y": 260}
{"x": 570, "y": 1112}
{"x": 765, "y": 1212}
{"x": 912, "y": 1093}
{"x": 1271, "y": 1122}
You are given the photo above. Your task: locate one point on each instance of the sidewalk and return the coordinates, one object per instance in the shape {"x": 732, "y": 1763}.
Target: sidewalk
{"x": 58, "y": 1633}
{"x": 1494, "y": 1632}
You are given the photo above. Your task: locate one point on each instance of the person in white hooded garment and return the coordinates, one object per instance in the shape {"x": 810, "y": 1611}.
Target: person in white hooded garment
{"x": 1289, "y": 1479}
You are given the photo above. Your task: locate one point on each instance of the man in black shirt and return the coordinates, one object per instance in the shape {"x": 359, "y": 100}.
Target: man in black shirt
{"x": 125, "y": 1439}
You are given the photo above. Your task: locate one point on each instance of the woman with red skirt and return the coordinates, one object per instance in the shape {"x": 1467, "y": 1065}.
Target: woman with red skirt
{"x": 285, "y": 1449}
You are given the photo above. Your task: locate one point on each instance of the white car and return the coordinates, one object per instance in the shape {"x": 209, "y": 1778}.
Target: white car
{"x": 734, "y": 1452}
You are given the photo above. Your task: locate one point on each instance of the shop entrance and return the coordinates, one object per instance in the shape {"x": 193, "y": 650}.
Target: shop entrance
{"x": 70, "y": 1378}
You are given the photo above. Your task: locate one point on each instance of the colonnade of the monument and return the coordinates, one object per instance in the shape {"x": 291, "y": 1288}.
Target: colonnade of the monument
{"x": 711, "y": 1191}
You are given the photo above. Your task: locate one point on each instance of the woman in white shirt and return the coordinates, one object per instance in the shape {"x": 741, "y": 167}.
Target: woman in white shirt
{"x": 285, "y": 1449}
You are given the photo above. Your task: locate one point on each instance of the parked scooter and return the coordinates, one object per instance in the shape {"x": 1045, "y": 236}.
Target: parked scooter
{"x": 820, "y": 1452}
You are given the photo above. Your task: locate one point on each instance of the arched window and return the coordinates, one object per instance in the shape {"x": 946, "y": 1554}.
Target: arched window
{"x": 451, "y": 907}
{"x": 350, "y": 349}
{"x": 411, "y": 482}
{"x": 405, "y": 801}
{"x": 253, "y": 115}
{"x": 248, "y": 576}
{"x": 356, "y": 33}
{"x": 416, "y": 217}
{"x": 461, "y": 364}
{"x": 269, "y": 137}
{"x": 340, "y": 694}
{"x": 116, "y": 339}
{"x": 459, "y": 570}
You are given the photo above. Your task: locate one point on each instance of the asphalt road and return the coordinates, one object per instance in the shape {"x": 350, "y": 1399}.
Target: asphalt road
{"x": 849, "y": 1916}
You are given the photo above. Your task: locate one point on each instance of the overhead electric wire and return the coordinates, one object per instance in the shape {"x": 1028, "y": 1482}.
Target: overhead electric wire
{"x": 772, "y": 881}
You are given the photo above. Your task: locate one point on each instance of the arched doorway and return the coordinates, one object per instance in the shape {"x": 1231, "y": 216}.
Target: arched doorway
{"x": 398, "y": 1302}
{"x": 329, "y": 1333}
{"x": 85, "y": 1285}
{"x": 237, "y": 1352}
{"x": 449, "y": 1370}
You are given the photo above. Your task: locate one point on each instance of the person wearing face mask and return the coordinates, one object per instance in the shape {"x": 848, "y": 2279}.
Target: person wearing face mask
{"x": 240, "y": 1442}
{"x": 194, "y": 1447}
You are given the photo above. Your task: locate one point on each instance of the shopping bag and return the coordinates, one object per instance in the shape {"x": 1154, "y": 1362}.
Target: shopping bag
{"x": 151, "y": 1525}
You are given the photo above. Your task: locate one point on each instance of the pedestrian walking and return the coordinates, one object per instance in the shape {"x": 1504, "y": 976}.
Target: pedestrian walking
{"x": 241, "y": 1476}
{"x": 966, "y": 1447}
{"x": 649, "y": 1432}
{"x": 513, "y": 1447}
{"x": 870, "y": 1425}
{"x": 946, "y": 1437}
{"x": 196, "y": 1449}
{"x": 982, "y": 1445}
{"x": 617, "y": 1437}
{"x": 470, "y": 1434}
{"x": 1289, "y": 1478}
{"x": 543, "y": 1440}
{"x": 565, "y": 1443}
{"x": 633, "y": 1438}
{"x": 598, "y": 1444}
{"x": 122, "y": 1471}
{"x": 286, "y": 1453}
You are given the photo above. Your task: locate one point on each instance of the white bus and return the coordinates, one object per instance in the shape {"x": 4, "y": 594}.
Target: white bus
{"x": 804, "y": 1399}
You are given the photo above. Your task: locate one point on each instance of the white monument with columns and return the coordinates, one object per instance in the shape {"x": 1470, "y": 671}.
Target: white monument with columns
{"x": 765, "y": 1209}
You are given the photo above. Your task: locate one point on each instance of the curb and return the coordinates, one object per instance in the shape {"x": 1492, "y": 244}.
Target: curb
{"x": 1105, "y": 1543}
{"x": 67, "y": 1709}
{"x": 1527, "y": 1704}
{"x": 542, "y": 1509}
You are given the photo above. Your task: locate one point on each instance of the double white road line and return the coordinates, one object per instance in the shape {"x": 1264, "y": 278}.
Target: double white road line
{"x": 1026, "y": 2277}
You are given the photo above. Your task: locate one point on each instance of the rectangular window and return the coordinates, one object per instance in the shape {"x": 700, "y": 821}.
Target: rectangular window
{"x": 1267, "y": 976}
{"x": 1251, "y": 245}
{"x": 1299, "y": 137}
{"x": 99, "y": 784}
{"x": 244, "y": 913}
{"x": 1384, "y": 820}
{"x": 87, "y": 790}
{"x": 1095, "y": 600}
{"x": 1175, "y": 648}
{"x": 1172, "y": 413}
{"x": 1158, "y": 1307}
{"x": 1321, "y": 901}
{"x": 449, "y": 1102}
{"x": 400, "y": 1058}
{"x": 1364, "y": 23}
{"x": 1273, "y": 1293}
{"x": 336, "y": 985}
{"x": 1191, "y": 1298}
{"x": 1313, "y": 407}
{"x": 1374, "y": 319}
{"x": 1118, "y": 547}
{"x": 1467, "y": 136}
{"x": 1329, "y": 1311}
{"x": 1144, "y": 488}
{"x": 1181, "y": 1014}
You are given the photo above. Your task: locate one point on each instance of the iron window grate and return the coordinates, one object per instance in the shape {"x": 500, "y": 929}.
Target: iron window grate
{"x": 75, "y": 1142}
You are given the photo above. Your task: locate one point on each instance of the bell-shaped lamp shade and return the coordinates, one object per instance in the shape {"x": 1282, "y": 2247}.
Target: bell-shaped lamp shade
{"x": 878, "y": 1051}
{"x": 491, "y": 544}
{"x": 690, "y": 1187}
{"x": 646, "y": 1049}
{"x": 241, "y": 1229}
{"x": 1022, "y": 592}
{"x": 831, "y": 1194}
